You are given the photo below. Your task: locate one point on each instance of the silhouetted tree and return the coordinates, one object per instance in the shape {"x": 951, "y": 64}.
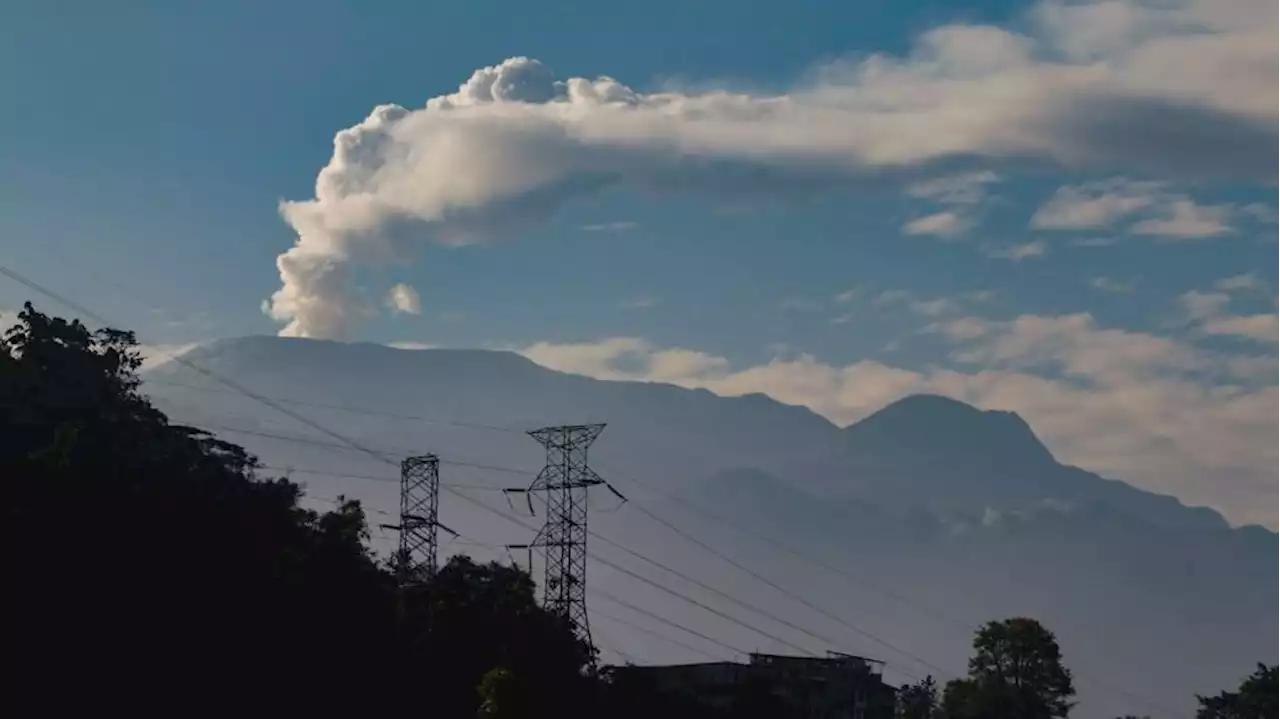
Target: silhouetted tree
{"x": 480, "y": 635}
{"x": 919, "y": 700}
{"x": 1255, "y": 699}
{"x": 147, "y": 566}
{"x": 149, "y": 569}
{"x": 1016, "y": 673}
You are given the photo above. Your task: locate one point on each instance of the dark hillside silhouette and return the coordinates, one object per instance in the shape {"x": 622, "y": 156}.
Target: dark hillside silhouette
{"x": 151, "y": 571}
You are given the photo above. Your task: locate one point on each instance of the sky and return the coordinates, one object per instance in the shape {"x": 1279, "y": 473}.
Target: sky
{"x": 1065, "y": 209}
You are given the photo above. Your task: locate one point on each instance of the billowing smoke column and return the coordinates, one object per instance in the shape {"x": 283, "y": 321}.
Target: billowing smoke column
{"x": 513, "y": 143}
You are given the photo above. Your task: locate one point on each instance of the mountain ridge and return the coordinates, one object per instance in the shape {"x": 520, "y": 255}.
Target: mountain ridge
{"x": 914, "y": 435}
{"x": 1141, "y": 588}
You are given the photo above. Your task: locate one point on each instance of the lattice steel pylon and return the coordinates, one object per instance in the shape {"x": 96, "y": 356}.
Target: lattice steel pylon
{"x": 566, "y": 479}
{"x": 416, "y": 560}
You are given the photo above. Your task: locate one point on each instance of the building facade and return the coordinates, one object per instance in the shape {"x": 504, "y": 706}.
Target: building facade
{"x": 838, "y": 686}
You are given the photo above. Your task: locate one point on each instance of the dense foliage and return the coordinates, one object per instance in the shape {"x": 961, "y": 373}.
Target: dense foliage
{"x": 1016, "y": 671}
{"x": 150, "y": 570}
{"x": 1255, "y": 698}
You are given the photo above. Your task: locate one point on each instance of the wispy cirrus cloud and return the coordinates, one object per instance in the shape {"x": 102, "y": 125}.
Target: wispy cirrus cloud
{"x": 960, "y": 194}
{"x": 1243, "y": 282}
{"x": 1183, "y": 219}
{"x": 1208, "y": 311}
{"x": 1018, "y": 252}
{"x": 1094, "y": 205}
{"x": 947, "y": 224}
{"x": 615, "y": 226}
{"x": 1150, "y": 208}
{"x": 1110, "y": 284}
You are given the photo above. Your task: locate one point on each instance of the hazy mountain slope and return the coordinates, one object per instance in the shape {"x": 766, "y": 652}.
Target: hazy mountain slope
{"x": 943, "y": 514}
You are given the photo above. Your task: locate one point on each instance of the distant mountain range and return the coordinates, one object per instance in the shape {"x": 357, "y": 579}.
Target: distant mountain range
{"x": 914, "y": 524}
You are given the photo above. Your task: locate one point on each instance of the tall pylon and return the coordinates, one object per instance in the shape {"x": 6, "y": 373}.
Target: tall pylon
{"x": 416, "y": 560}
{"x": 566, "y": 479}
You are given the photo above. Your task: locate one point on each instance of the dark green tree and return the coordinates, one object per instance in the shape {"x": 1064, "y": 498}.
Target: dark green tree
{"x": 1255, "y": 699}
{"x": 918, "y": 701}
{"x": 1016, "y": 673}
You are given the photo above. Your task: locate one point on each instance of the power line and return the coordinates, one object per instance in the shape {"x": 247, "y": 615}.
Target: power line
{"x": 664, "y": 620}
{"x": 357, "y": 446}
{"x": 371, "y": 478}
{"x": 730, "y": 523}
{"x": 603, "y": 642}
{"x": 696, "y": 582}
{"x": 381, "y": 455}
{"x": 793, "y": 595}
{"x": 717, "y": 592}
{"x": 639, "y": 577}
{"x": 862, "y": 581}
{"x": 798, "y": 554}
{"x": 854, "y": 579}
{"x": 703, "y": 585}
{"x": 706, "y": 607}
{"x": 651, "y": 632}
{"x": 348, "y": 408}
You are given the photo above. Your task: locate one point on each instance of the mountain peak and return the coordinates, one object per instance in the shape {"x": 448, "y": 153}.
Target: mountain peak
{"x": 936, "y": 428}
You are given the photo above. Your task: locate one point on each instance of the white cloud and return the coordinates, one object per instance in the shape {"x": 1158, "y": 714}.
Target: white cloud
{"x": 1184, "y": 89}
{"x": 1260, "y": 327}
{"x": 1094, "y": 241}
{"x": 1074, "y": 345}
{"x": 1128, "y": 404}
{"x": 1094, "y": 204}
{"x": 1244, "y": 282}
{"x": 1201, "y": 305}
{"x": 594, "y": 359}
{"x": 1209, "y": 310}
{"x": 961, "y": 194}
{"x": 404, "y": 298}
{"x": 963, "y": 328}
{"x": 947, "y": 224}
{"x": 966, "y": 189}
{"x": 617, "y": 226}
{"x": 1157, "y": 209}
{"x": 849, "y": 295}
{"x": 1259, "y": 212}
{"x": 1184, "y": 219}
{"x": 934, "y": 307}
{"x": 1019, "y": 252}
{"x": 1109, "y": 284}
{"x": 412, "y": 345}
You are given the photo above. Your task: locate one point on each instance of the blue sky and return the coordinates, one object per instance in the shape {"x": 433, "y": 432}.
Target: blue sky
{"x": 884, "y": 204}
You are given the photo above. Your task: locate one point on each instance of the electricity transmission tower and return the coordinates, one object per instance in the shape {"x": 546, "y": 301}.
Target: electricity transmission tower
{"x": 419, "y": 520}
{"x": 566, "y": 479}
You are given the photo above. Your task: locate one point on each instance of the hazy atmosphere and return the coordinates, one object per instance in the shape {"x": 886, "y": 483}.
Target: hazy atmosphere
{"x": 974, "y": 302}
